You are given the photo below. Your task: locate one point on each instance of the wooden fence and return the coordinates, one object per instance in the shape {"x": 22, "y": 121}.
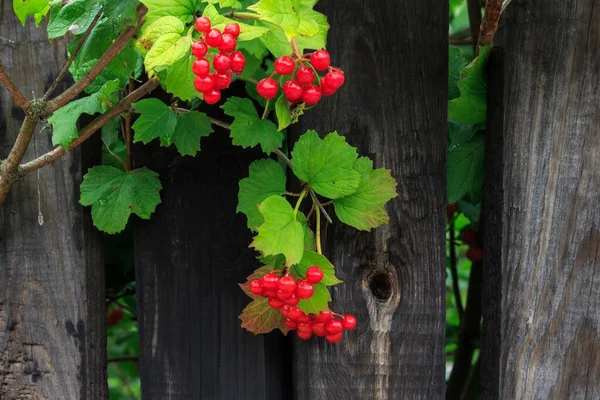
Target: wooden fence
{"x": 541, "y": 273}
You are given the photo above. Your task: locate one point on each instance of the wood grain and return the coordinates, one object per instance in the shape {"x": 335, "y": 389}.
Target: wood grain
{"x": 52, "y": 333}
{"x": 393, "y": 108}
{"x": 549, "y": 233}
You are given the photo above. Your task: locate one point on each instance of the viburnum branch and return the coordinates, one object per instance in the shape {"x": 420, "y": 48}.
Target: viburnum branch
{"x": 119, "y": 159}
{"x": 91, "y": 128}
{"x": 97, "y": 69}
{"x": 295, "y": 48}
{"x": 12, "y": 89}
{"x": 298, "y": 202}
{"x": 217, "y": 122}
{"x": 316, "y": 201}
{"x": 489, "y": 25}
{"x": 318, "y": 227}
{"x": 285, "y": 158}
{"x": 76, "y": 50}
{"x": 474, "y": 8}
{"x": 504, "y": 5}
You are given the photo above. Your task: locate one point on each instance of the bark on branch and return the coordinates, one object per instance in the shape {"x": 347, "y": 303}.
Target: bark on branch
{"x": 489, "y": 25}
{"x": 12, "y": 89}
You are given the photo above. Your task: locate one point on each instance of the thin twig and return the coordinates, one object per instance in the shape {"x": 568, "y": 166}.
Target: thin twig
{"x": 98, "y": 68}
{"x": 217, "y": 122}
{"x": 12, "y": 89}
{"x": 489, "y": 25}
{"x": 504, "y": 5}
{"x": 8, "y": 168}
{"x": 316, "y": 201}
{"x": 119, "y": 159}
{"x": 76, "y": 50}
{"x": 90, "y": 129}
{"x": 285, "y": 159}
{"x": 454, "y": 272}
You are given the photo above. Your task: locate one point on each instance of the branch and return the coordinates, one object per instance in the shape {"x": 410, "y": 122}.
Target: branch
{"x": 76, "y": 50}
{"x": 98, "y": 68}
{"x": 489, "y": 25}
{"x": 8, "y": 168}
{"x": 90, "y": 129}
{"x": 12, "y": 89}
{"x": 474, "y": 8}
{"x": 454, "y": 272}
{"x": 316, "y": 201}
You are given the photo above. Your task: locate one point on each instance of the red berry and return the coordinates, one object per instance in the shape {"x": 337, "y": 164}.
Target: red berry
{"x": 304, "y": 326}
{"x": 256, "y": 286}
{"x": 199, "y": 49}
{"x": 285, "y": 310}
{"x": 451, "y": 209}
{"x": 319, "y": 329}
{"x": 304, "y": 290}
{"x": 270, "y": 293}
{"x": 349, "y": 322}
{"x": 320, "y": 60}
{"x": 284, "y": 65}
{"x": 212, "y": 96}
{"x": 334, "y": 338}
{"x": 202, "y": 24}
{"x": 282, "y": 295}
{"x": 314, "y": 274}
{"x": 311, "y": 95}
{"x": 294, "y": 313}
{"x": 292, "y": 301}
{"x": 305, "y": 75}
{"x": 334, "y": 79}
{"x": 326, "y": 90}
{"x": 287, "y": 284}
{"x": 275, "y": 303}
{"x": 221, "y": 62}
{"x": 304, "y": 318}
{"x": 270, "y": 281}
{"x": 232, "y": 29}
{"x": 304, "y": 335}
{"x": 324, "y": 316}
{"x": 214, "y": 38}
{"x": 223, "y": 80}
{"x": 469, "y": 236}
{"x": 475, "y": 254}
{"x": 204, "y": 83}
{"x": 228, "y": 43}
{"x": 115, "y": 315}
{"x": 333, "y": 326}
{"x": 237, "y": 62}
{"x": 267, "y": 88}
{"x": 292, "y": 90}
{"x": 290, "y": 323}
{"x": 201, "y": 67}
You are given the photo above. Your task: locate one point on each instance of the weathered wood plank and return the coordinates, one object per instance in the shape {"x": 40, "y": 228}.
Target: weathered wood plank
{"x": 52, "y": 332}
{"x": 393, "y": 107}
{"x": 549, "y": 232}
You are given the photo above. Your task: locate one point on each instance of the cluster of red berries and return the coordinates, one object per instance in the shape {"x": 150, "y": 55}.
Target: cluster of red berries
{"x": 302, "y": 87}
{"x": 114, "y": 316}
{"x": 226, "y": 62}
{"x": 469, "y": 237}
{"x": 284, "y": 294}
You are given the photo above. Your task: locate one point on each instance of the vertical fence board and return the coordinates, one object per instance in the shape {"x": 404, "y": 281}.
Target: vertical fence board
{"x": 52, "y": 309}
{"x": 393, "y": 108}
{"x": 550, "y": 217}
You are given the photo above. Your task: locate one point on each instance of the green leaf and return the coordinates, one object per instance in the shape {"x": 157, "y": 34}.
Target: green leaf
{"x": 281, "y": 233}
{"x": 326, "y": 164}
{"x": 275, "y": 40}
{"x": 188, "y": 131}
{"x": 471, "y": 106}
{"x": 178, "y": 79}
{"x": 318, "y": 302}
{"x": 310, "y": 258}
{"x": 282, "y": 110}
{"x": 295, "y": 17}
{"x": 182, "y": 9}
{"x": 247, "y": 129}
{"x": 364, "y": 209}
{"x": 115, "y": 194}
{"x": 156, "y": 120}
{"x": 247, "y": 32}
{"x": 471, "y": 211}
{"x": 25, "y": 8}
{"x": 459, "y": 133}
{"x": 158, "y": 28}
{"x": 120, "y": 12}
{"x": 465, "y": 168}
{"x": 224, "y": 3}
{"x": 76, "y": 15}
{"x": 266, "y": 178}
{"x": 456, "y": 62}
{"x": 319, "y": 41}
{"x": 167, "y": 50}
{"x": 64, "y": 120}
{"x": 112, "y": 144}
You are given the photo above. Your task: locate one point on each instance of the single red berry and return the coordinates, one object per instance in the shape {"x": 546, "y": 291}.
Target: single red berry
{"x": 292, "y": 301}
{"x": 334, "y": 338}
{"x": 287, "y": 284}
{"x": 214, "y": 38}
{"x": 334, "y": 79}
{"x": 314, "y": 274}
{"x": 349, "y": 321}
{"x": 291, "y": 324}
{"x": 201, "y": 67}
{"x": 304, "y": 318}
{"x": 281, "y": 295}
{"x": 285, "y": 310}
{"x": 305, "y": 75}
{"x": 212, "y": 97}
{"x": 304, "y": 326}
{"x": 451, "y": 209}
{"x": 204, "y": 83}
{"x": 199, "y": 49}
{"x": 221, "y": 62}
{"x": 333, "y": 326}
{"x": 237, "y": 62}
{"x": 324, "y": 316}
{"x": 304, "y": 290}
{"x": 256, "y": 286}
{"x": 202, "y": 24}
{"x": 311, "y": 95}
{"x": 270, "y": 281}
{"x": 228, "y": 43}
{"x": 115, "y": 315}
{"x": 232, "y": 29}
{"x": 469, "y": 236}
{"x": 319, "y": 329}
{"x": 326, "y": 90}
{"x": 275, "y": 303}
{"x": 292, "y": 90}
{"x": 475, "y": 254}
{"x": 270, "y": 293}
{"x": 223, "y": 80}
{"x": 284, "y": 65}
{"x": 304, "y": 335}
{"x": 320, "y": 60}
{"x": 267, "y": 88}
{"x": 294, "y": 313}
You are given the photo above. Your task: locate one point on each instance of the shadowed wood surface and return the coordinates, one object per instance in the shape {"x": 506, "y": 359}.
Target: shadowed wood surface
{"x": 52, "y": 333}
{"x": 393, "y": 108}
{"x": 550, "y": 217}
